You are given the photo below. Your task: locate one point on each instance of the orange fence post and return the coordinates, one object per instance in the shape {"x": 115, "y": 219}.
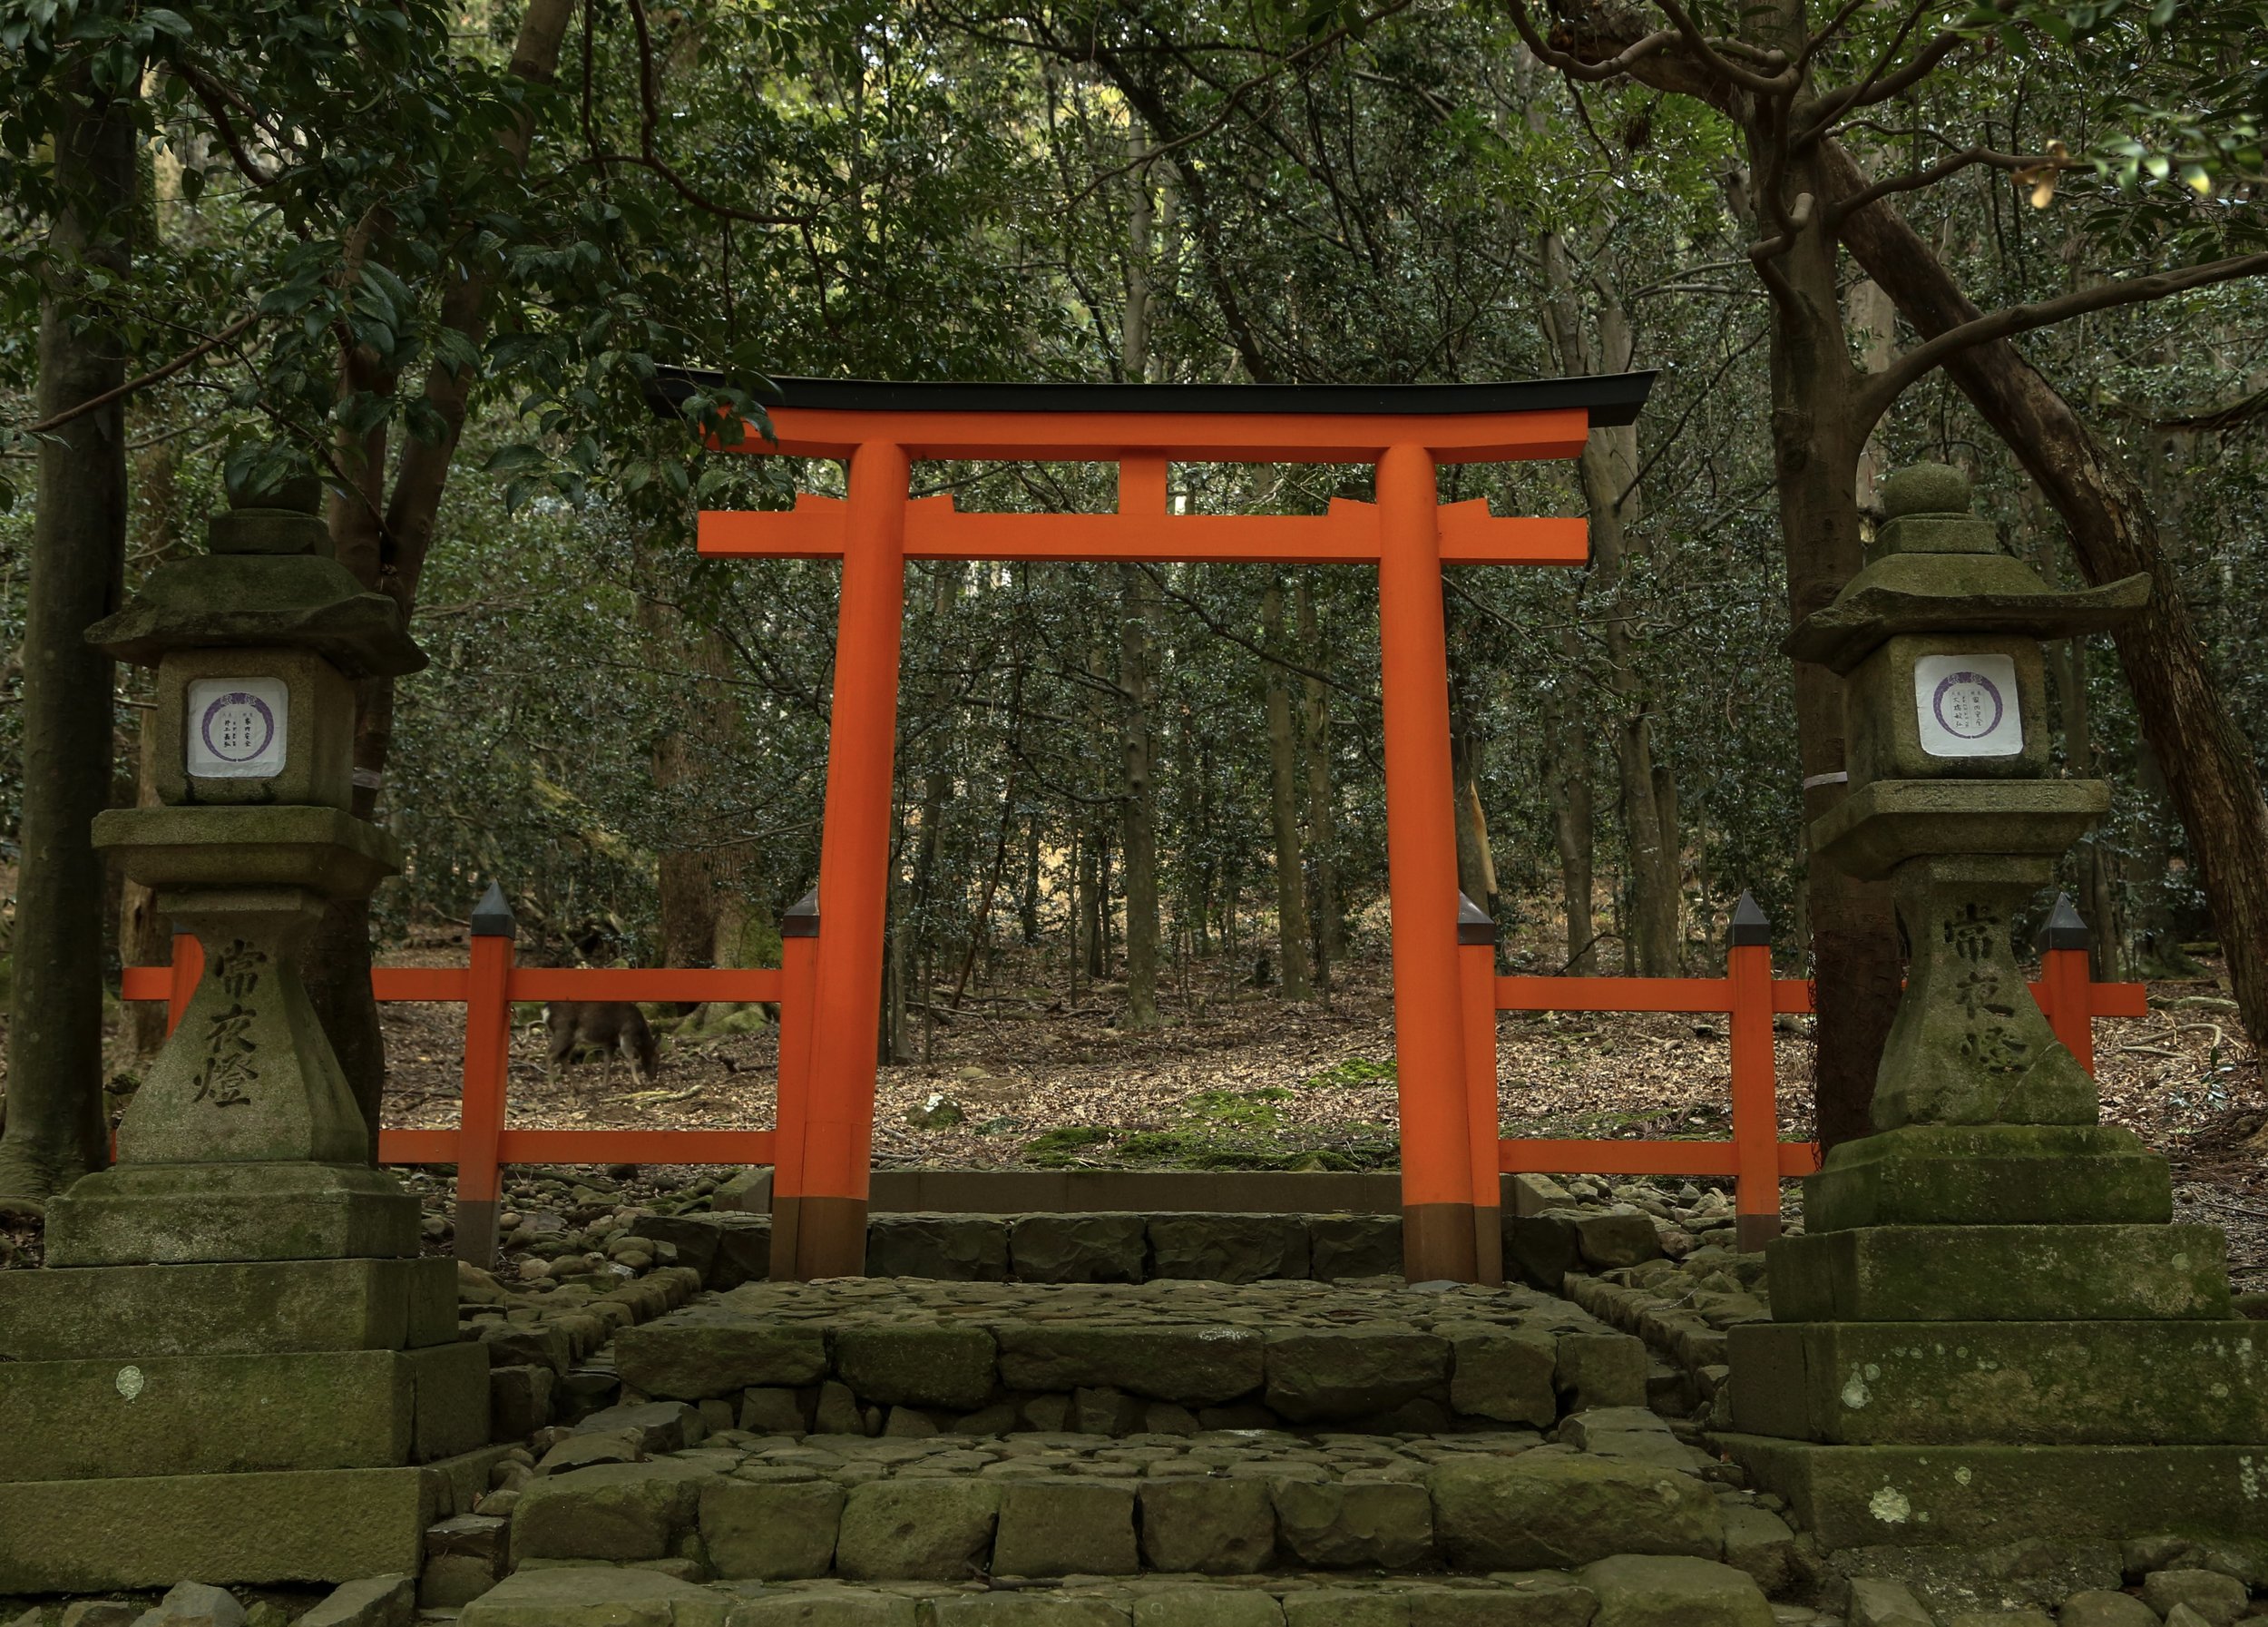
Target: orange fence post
{"x": 855, "y": 869}
{"x": 1756, "y": 1095}
{"x": 188, "y": 969}
{"x": 487, "y": 1054}
{"x": 1476, "y": 968}
{"x": 1421, "y": 875}
{"x": 799, "y": 977}
{"x": 2066, "y": 981}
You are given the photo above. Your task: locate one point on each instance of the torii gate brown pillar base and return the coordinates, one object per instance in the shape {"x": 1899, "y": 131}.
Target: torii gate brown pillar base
{"x": 830, "y": 1237}
{"x": 1448, "y": 1182}
{"x": 1437, "y": 1243}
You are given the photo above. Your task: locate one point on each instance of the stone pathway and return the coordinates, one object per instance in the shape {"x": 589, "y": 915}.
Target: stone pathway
{"x": 1165, "y": 1356}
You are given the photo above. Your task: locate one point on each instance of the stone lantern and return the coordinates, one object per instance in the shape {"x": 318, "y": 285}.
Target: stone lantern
{"x": 244, "y": 1141}
{"x": 235, "y": 1366}
{"x": 1952, "y": 799}
{"x": 1990, "y": 1330}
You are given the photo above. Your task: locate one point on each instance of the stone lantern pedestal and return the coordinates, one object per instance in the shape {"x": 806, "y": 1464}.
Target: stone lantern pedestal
{"x": 1990, "y": 1330}
{"x": 234, "y": 1365}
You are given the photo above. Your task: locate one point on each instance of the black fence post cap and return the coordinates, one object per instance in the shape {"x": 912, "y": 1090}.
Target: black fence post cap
{"x": 2065, "y": 928}
{"x": 492, "y": 917}
{"x": 1750, "y": 925}
{"x": 1473, "y": 923}
{"x": 802, "y": 919}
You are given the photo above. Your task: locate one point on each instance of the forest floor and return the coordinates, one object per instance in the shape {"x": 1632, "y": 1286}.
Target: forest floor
{"x": 1240, "y": 1079}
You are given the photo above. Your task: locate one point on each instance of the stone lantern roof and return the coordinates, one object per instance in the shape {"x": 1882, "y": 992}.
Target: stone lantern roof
{"x": 268, "y": 581}
{"x": 1936, "y": 567}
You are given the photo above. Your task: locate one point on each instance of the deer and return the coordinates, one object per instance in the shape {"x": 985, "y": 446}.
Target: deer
{"x": 612, "y": 1027}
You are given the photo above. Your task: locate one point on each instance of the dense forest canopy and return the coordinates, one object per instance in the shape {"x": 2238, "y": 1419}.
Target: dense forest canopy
{"x": 435, "y": 251}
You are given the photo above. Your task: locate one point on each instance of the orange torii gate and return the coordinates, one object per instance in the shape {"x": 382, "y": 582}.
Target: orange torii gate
{"x": 1449, "y": 1183}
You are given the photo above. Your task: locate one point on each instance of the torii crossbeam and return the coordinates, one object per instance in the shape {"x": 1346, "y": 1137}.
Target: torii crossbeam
{"x": 1449, "y": 1163}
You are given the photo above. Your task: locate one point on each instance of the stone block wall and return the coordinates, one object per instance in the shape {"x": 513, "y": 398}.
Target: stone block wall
{"x": 730, "y": 1249}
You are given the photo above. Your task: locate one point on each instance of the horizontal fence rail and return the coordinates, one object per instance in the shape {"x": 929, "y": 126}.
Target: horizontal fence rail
{"x": 1748, "y": 996}
{"x": 488, "y": 986}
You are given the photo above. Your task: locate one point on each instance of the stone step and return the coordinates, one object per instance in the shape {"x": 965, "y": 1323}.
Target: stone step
{"x": 212, "y": 1414}
{"x": 2000, "y": 1273}
{"x": 974, "y": 1357}
{"x": 1905, "y": 1495}
{"x": 737, "y": 1507}
{"x": 730, "y": 1247}
{"x": 1623, "y": 1589}
{"x": 1990, "y": 1175}
{"x": 84, "y": 1536}
{"x": 131, "y": 1312}
{"x": 2190, "y": 1383}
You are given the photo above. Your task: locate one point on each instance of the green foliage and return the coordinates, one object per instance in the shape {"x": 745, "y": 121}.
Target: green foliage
{"x": 897, "y": 193}
{"x": 1354, "y": 1071}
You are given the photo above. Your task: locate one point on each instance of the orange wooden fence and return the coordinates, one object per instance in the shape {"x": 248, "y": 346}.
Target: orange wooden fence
{"x": 1747, "y": 994}
{"x": 1750, "y": 996}
{"x": 487, "y": 988}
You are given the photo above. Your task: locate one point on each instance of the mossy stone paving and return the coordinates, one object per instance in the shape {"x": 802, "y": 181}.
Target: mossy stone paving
{"x": 1379, "y": 1355}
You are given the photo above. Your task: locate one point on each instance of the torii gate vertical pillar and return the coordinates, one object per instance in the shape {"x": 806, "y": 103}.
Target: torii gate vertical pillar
{"x": 1437, "y": 1197}
{"x": 855, "y": 869}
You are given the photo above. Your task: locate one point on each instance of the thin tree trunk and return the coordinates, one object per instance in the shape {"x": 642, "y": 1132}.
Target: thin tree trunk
{"x": 1326, "y": 911}
{"x": 56, "y": 1130}
{"x": 1567, "y": 768}
{"x": 1608, "y": 468}
{"x": 1140, "y": 799}
{"x": 1671, "y": 884}
{"x": 1855, "y": 939}
{"x": 1028, "y": 905}
{"x": 143, "y": 939}
{"x": 2217, "y": 791}
{"x": 390, "y": 558}
{"x": 1291, "y": 885}
{"x": 2067, "y": 660}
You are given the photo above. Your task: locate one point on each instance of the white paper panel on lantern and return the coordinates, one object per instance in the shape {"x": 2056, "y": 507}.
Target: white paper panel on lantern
{"x": 237, "y": 727}
{"x": 1966, "y": 705}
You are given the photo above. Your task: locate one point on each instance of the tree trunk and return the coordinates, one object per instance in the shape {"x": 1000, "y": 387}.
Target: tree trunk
{"x": 2216, "y": 790}
{"x": 2157, "y": 934}
{"x": 389, "y": 557}
{"x": 1608, "y": 468}
{"x": 1141, "y": 821}
{"x": 1672, "y": 882}
{"x": 1290, "y": 883}
{"x": 1028, "y": 903}
{"x": 1855, "y": 939}
{"x": 142, "y": 937}
{"x": 1567, "y": 768}
{"x": 56, "y": 1129}
{"x": 1476, "y": 863}
{"x": 1327, "y": 914}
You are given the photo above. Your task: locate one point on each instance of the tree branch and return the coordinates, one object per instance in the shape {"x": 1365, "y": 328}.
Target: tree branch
{"x": 214, "y": 97}
{"x": 1879, "y": 389}
{"x": 155, "y": 376}
{"x": 649, "y": 115}
{"x": 1952, "y": 165}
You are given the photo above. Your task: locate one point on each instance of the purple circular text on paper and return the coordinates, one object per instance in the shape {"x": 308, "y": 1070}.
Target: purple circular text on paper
{"x": 237, "y": 727}
{"x": 1968, "y": 705}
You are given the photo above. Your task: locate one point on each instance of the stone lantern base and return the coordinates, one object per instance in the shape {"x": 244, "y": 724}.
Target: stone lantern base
{"x": 234, "y": 1365}
{"x": 240, "y": 1421}
{"x": 1996, "y": 1333}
